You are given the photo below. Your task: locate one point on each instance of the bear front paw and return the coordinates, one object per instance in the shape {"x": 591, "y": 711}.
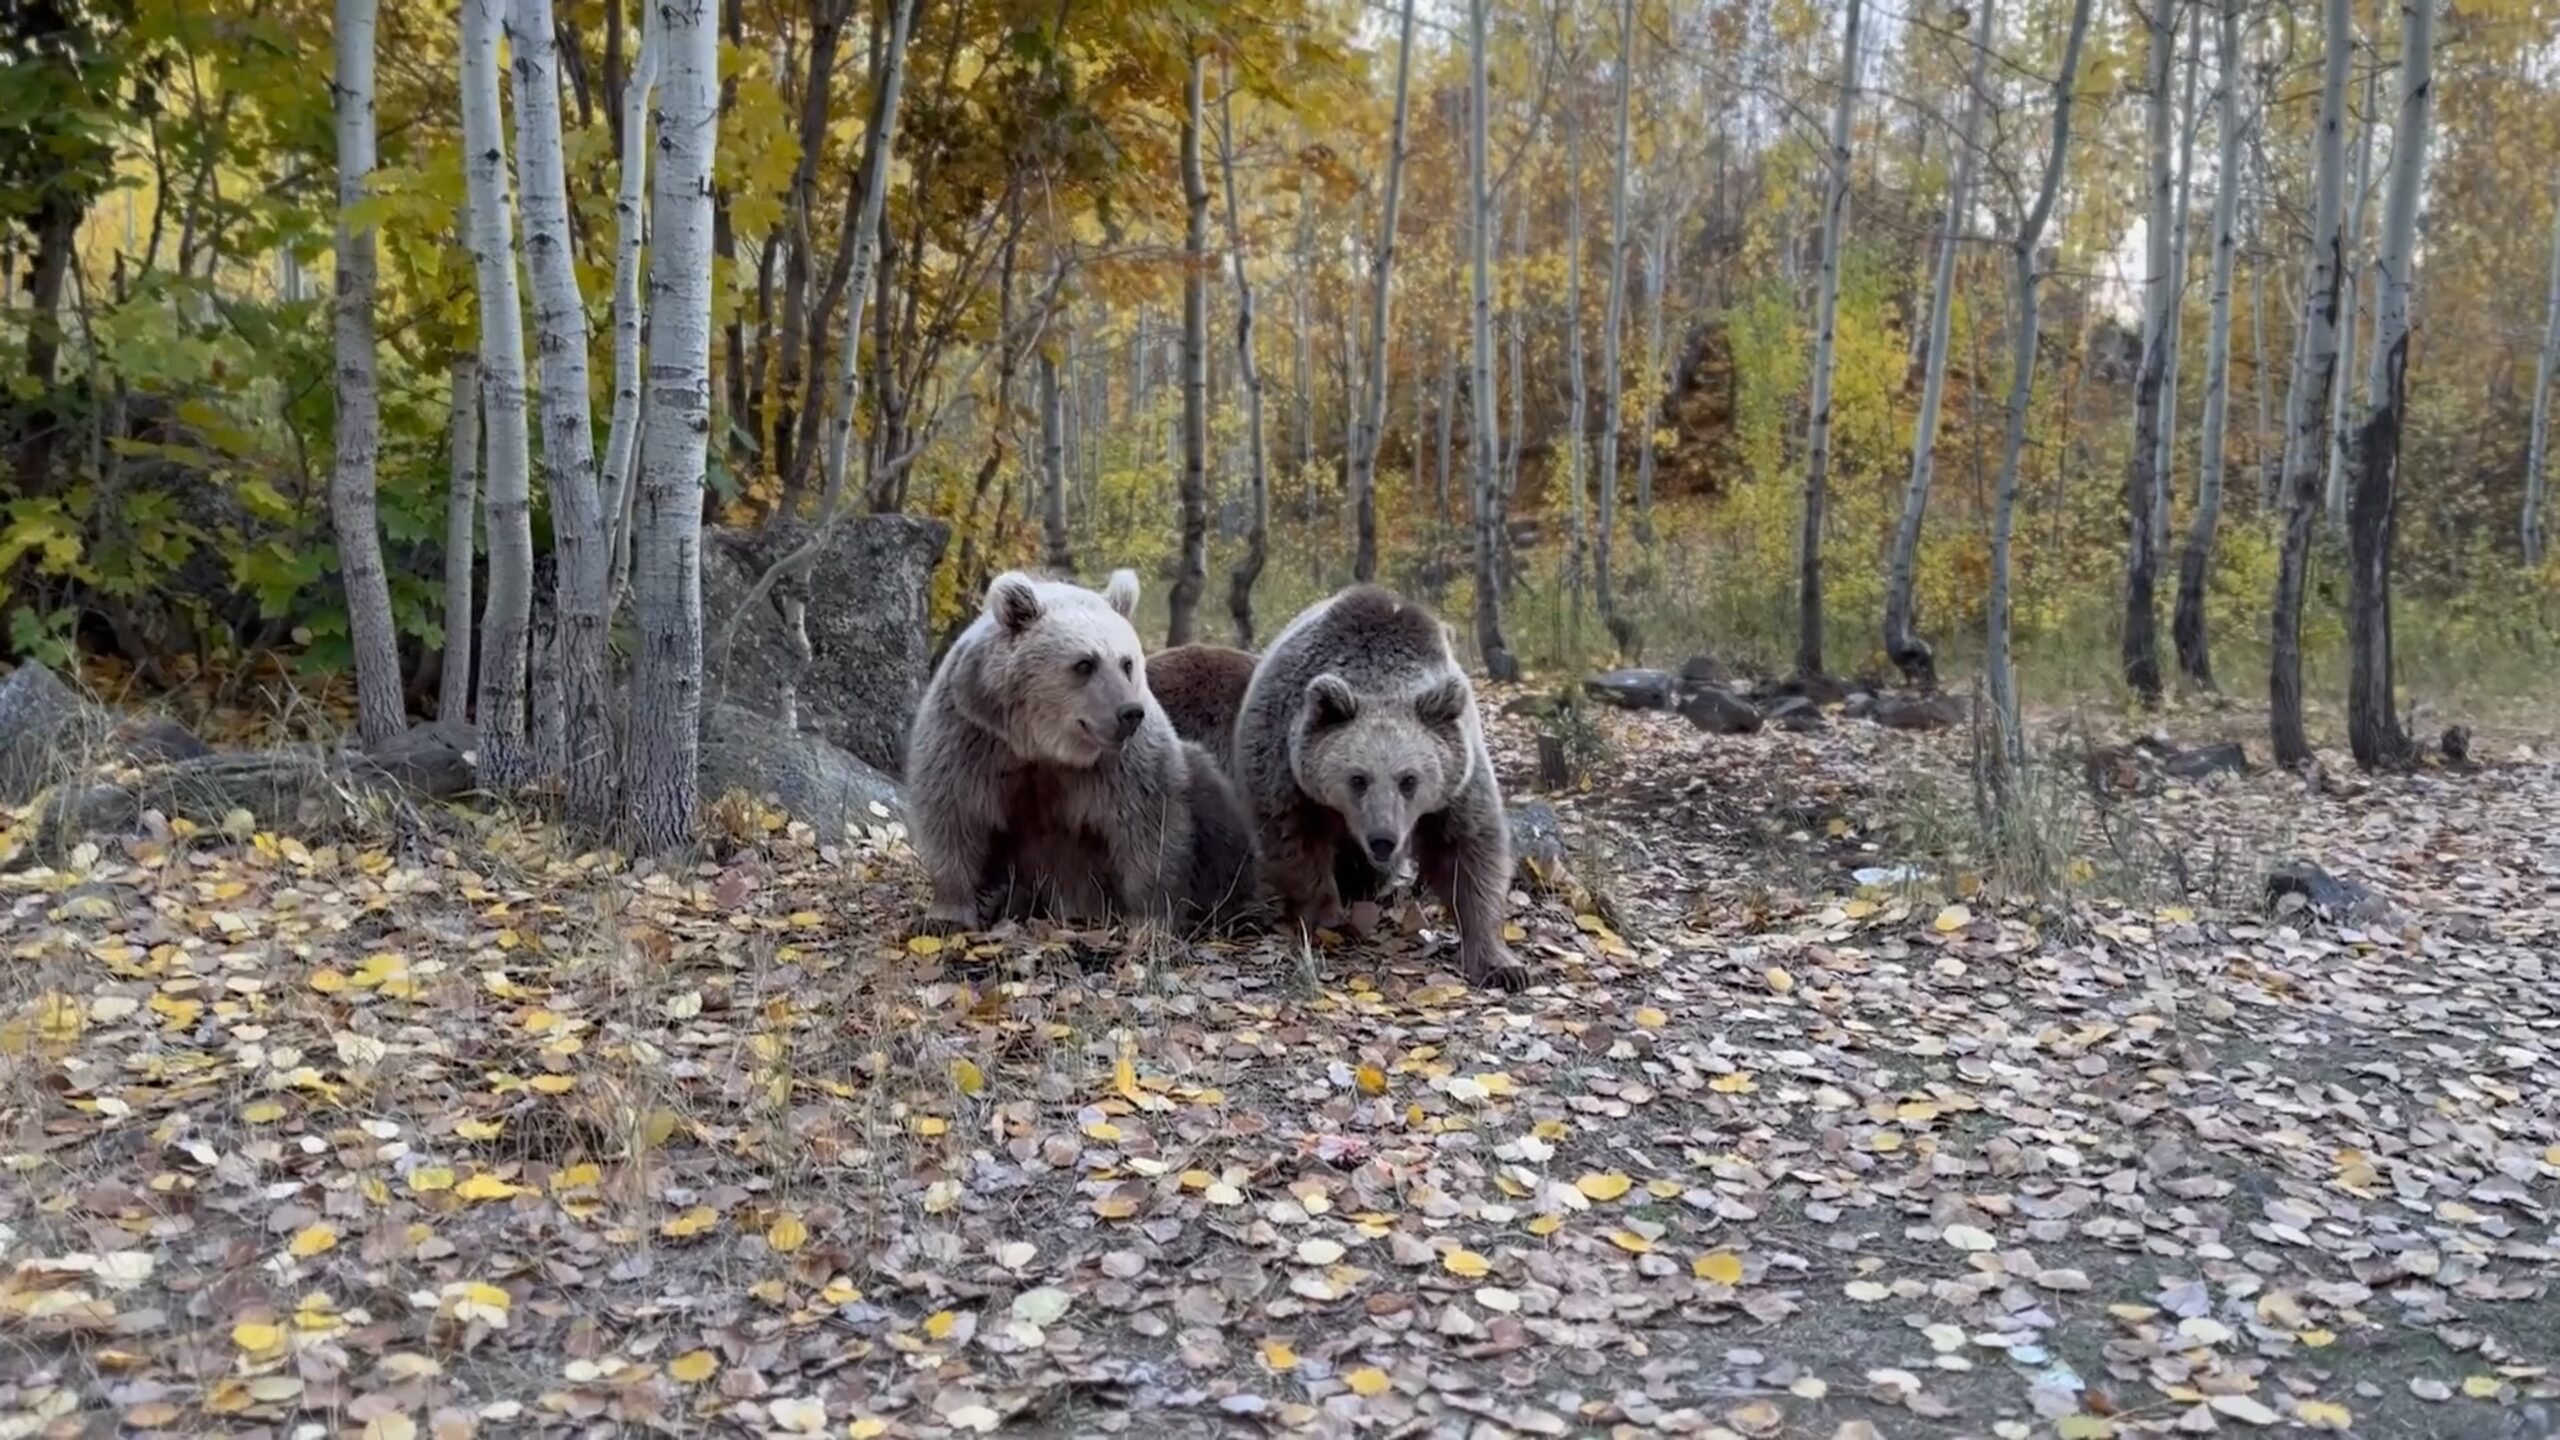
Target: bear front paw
{"x": 1493, "y": 967}
{"x": 948, "y": 920}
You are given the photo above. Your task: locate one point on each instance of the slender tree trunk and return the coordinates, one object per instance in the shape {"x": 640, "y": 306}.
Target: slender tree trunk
{"x": 1657, "y": 366}
{"x": 622, "y": 432}
{"x": 1902, "y": 643}
{"x": 461, "y": 506}
{"x": 1301, "y": 366}
{"x": 1053, "y": 468}
{"x": 1484, "y": 445}
{"x": 2535, "y": 453}
{"x": 381, "y": 711}
{"x": 2008, "y": 753}
{"x": 2141, "y": 648}
{"x": 2307, "y": 400}
{"x": 578, "y": 527}
{"x": 2373, "y": 712}
{"x": 1514, "y": 430}
{"x": 826, "y": 28}
{"x": 1368, "y": 427}
{"x": 2341, "y": 426}
{"x": 2190, "y": 121}
{"x": 1193, "y": 577}
{"x": 661, "y": 760}
{"x": 1613, "y": 329}
{"x": 508, "y": 614}
{"x": 2258, "y": 373}
{"x": 1578, "y": 412}
{"x": 1835, "y": 213}
{"x": 1257, "y": 542}
{"x": 2187, "y": 625}
{"x": 1448, "y": 422}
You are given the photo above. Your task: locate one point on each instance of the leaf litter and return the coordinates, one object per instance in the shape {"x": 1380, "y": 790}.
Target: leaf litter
{"x": 494, "y": 1139}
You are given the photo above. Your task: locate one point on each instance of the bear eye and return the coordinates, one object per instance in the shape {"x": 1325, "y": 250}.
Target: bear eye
{"x": 1084, "y": 668}
{"x": 1128, "y": 666}
{"x": 1359, "y": 784}
{"x": 1406, "y": 783}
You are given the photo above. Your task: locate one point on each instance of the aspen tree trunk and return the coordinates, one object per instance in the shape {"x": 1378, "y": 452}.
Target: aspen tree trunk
{"x": 461, "y": 506}
{"x": 1193, "y": 578}
{"x": 2008, "y": 754}
{"x": 1612, "y": 367}
{"x": 1577, "y": 421}
{"x": 508, "y": 614}
{"x": 1515, "y": 326}
{"x": 2187, "y": 626}
{"x": 1484, "y": 447}
{"x": 661, "y": 760}
{"x": 2141, "y": 640}
{"x": 1053, "y": 468}
{"x": 381, "y": 711}
{"x": 1448, "y": 422}
{"x": 1257, "y": 540}
{"x": 2189, "y": 121}
{"x": 622, "y": 431}
{"x": 1301, "y": 367}
{"x": 1368, "y": 425}
{"x": 2306, "y": 404}
{"x": 1835, "y": 212}
{"x": 2373, "y": 714}
{"x": 2530, "y": 528}
{"x": 578, "y": 525}
{"x": 1902, "y": 643}
{"x": 2341, "y": 410}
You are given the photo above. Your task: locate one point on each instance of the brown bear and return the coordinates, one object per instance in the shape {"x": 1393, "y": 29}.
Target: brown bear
{"x": 1201, "y": 688}
{"x": 1358, "y": 746}
{"x": 1043, "y": 777}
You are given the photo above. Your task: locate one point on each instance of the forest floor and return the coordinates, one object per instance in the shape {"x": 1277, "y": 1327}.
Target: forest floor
{"x": 469, "y": 1133}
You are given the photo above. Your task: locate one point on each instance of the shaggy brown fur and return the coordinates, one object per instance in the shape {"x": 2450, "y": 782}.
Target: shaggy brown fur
{"x": 1359, "y": 745}
{"x": 1201, "y": 688}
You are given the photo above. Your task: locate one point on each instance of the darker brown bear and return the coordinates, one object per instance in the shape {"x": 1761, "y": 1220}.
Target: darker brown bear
{"x": 1201, "y": 688}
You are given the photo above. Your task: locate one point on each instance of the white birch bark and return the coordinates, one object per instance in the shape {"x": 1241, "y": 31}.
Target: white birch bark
{"x": 2341, "y": 410}
{"x": 1484, "y": 449}
{"x": 1835, "y": 213}
{"x": 2166, "y": 470}
{"x": 2140, "y": 649}
{"x": 1902, "y": 643}
{"x": 507, "y": 615}
{"x": 1248, "y": 571}
{"x": 1613, "y": 328}
{"x": 2306, "y": 406}
{"x": 381, "y": 710}
{"x": 2187, "y": 622}
{"x": 1192, "y": 578}
{"x": 630, "y": 224}
{"x": 1577, "y": 422}
{"x": 2537, "y": 452}
{"x": 578, "y": 524}
{"x": 662, "y": 754}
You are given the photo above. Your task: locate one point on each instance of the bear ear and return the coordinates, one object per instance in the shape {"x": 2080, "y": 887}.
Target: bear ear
{"x": 1121, "y": 592}
{"x": 1013, "y": 601}
{"x": 1330, "y": 702}
{"x": 1442, "y": 705}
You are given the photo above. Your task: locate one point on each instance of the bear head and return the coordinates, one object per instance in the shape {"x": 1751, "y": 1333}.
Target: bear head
{"x": 1382, "y": 761}
{"x": 1063, "y": 668}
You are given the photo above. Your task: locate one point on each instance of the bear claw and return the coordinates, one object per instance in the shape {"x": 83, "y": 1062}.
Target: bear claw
{"x": 1505, "y": 974}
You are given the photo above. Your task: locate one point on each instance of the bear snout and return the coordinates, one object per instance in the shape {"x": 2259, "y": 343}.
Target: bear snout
{"x": 1130, "y": 718}
{"x": 1382, "y": 846}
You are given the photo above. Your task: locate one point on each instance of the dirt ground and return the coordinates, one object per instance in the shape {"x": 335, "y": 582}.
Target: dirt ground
{"x": 1815, "y": 1123}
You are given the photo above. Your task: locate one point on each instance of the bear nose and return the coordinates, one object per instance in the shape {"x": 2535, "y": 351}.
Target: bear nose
{"x": 1382, "y": 848}
{"x": 1131, "y": 717}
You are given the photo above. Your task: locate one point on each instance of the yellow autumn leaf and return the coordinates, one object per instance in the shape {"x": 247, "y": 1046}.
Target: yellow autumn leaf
{"x": 1124, "y": 1072}
{"x": 1631, "y": 1242}
{"x": 2318, "y": 1339}
{"x": 692, "y": 1222}
{"x": 1371, "y": 1079}
{"x": 430, "y": 1177}
{"x": 1951, "y": 920}
{"x": 1466, "y": 1264}
{"x": 2323, "y": 1415}
{"x": 1721, "y": 1268}
{"x": 1368, "y": 1380}
{"x": 485, "y": 1186}
{"x": 938, "y": 1324}
{"x": 1736, "y": 1083}
{"x": 865, "y": 1427}
{"x": 1779, "y": 980}
{"x": 255, "y": 1336}
{"x": 967, "y": 1075}
{"x": 931, "y": 1125}
{"x": 394, "y": 1426}
{"x": 313, "y": 1240}
{"x": 1603, "y": 1186}
{"x": 1651, "y": 1018}
{"x": 787, "y": 1234}
{"x": 925, "y": 945}
{"x": 262, "y": 1112}
{"x": 1278, "y": 1356}
{"x": 694, "y": 1366}
{"x": 1885, "y": 1142}
{"x": 2480, "y": 1387}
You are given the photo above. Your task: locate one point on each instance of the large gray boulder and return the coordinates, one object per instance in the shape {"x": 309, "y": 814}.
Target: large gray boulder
{"x": 49, "y": 731}
{"x": 868, "y": 651}
{"x": 810, "y": 779}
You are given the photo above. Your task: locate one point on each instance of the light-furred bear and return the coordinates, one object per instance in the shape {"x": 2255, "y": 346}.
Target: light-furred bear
{"x": 1043, "y": 777}
{"x": 1201, "y": 688}
{"x": 1359, "y": 745}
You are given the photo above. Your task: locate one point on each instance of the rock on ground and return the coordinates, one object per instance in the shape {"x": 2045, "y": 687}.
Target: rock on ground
{"x": 49, "y": 731}
{"x": 1719, "y": 712}
{"x": 809, "y": 778}
{"x": 1633, "y": 689}
{"x": 869, "y": 654}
